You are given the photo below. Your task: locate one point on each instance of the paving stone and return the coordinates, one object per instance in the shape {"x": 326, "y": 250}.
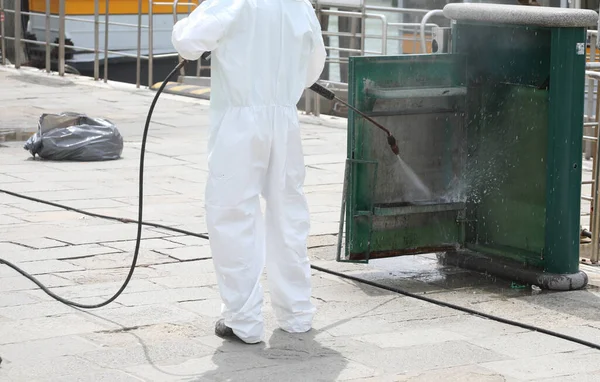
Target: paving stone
{"x": 120, "y": 260}
{"x": 548, "y": 365}
{"x": 97, "y": 376}
{"x": 108, "y": 275}
{"x": 38, "y": 242}
{"x": 323, "y": 369}
{"x": 360, "y": 326}
{"x": 520, "y": 345}
{"x": 46, "y": 327}
{"x": 149, "y": 244}
{"x": 98, "y": 290}
{"x": 204, "y": 367}
{"x": 8, "y": 248}
{"x": 586, "y": 332}
{"x": 46, "y": 348}
{"x": 462, "y": 324}
{"x": 160, "y": 353}
{"x": 47, "y": 267}
{"x": 185, "y": 268}
{"x": 9, "y": 179}
{"x": 16, "y": 299}
{"x": 91, "y": 205}
{"x": 58, "y": 253}
{"x": 317, "y": 228}
{"x": 35, "y": 310}
{"x": 340, "y": 292}
{"x": 411, "y": 337}
{"x": 322, "y": 241}
{"x": 168, "y": 296}
{"x": 469, "y": 373}
{"x": 147, "y": 315}
{"x": 20, "y": 283}
{"x": 578, "y": 377}
{"x": 186, "y": 281}
{"x": 188, "y": 252}
{"x": 113, "y": 232}
{"x": 152, "y": 333}
{"x": 427, "y": 357}
{"x": 10, "y": 220}
{"x": 6, "y": 209}
{"x": 49, "y": 216}
{"x": 36, "y": 369}
{"x": 187, "y": 240}
{"x": 31, "y": 206}
{"x": 208, "y": 308}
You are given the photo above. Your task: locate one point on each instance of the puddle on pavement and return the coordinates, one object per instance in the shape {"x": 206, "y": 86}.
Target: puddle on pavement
{"x": 432, "y": 275}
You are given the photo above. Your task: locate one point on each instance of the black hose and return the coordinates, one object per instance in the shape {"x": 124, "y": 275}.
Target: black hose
{"x": 141, "y": 223}
{"x": 459, "y": 308}
{"x": 315, "y": 267}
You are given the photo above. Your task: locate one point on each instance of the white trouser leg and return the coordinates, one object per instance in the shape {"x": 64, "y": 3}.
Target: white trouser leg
{"x": 287, "y": 229}
{"x": 238, "y": 161}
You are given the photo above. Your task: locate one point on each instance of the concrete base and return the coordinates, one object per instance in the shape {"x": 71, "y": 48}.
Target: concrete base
{"x": 515, "y": 271}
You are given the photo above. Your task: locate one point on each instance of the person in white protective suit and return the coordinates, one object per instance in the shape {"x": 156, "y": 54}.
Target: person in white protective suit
{"x": 264, "y": 54}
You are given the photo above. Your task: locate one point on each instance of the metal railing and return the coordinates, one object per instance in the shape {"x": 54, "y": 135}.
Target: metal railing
{"x": 99, "y": 20}
{"x": 592, "y": 144}
{"x": 62, "y": 18}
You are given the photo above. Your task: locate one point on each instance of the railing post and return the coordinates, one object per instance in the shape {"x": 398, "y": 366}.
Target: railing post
{"x": 61, "y": 37}
{"x": 2, "y": 33}
{"x": 150, "y": 41}
{"x": 96, "y": 40}
{"x": 588, "y": 146}
{"x": 182, "y": 70}
{"x": 138, "y": 64}
{"x": 48, "y": 46}
{"x": 106, "y": 16}
{"x": 18, "y": 29}
{"x": 595, "y": 205}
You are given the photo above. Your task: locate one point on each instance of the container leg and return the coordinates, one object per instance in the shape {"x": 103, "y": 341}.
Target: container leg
{"x": 565, "y": 136}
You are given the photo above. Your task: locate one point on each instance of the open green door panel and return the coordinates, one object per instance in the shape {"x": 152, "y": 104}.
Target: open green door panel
{"x": 473, "y": 161}
{"x": 490, "y": 139}
{"x": 415, "y": 203}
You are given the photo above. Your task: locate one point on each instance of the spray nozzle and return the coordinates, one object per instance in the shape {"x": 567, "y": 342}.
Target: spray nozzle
{"x": 322, "y": 91}
{"x": 393, "y": 145}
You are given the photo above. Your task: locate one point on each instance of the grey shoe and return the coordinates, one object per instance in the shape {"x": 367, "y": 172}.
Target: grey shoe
{"x": 224, "y": 331}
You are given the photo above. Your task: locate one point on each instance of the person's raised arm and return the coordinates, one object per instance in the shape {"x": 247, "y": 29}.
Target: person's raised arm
{"x": 202, "y": 30}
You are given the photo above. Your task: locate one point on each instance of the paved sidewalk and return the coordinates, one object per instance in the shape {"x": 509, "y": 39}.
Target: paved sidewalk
{"x": 161, "y": 328}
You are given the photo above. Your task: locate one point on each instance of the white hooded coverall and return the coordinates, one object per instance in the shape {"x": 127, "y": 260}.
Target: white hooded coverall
{"x": 264, "y": 54}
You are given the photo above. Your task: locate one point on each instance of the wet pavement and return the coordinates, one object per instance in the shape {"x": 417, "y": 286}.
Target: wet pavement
{"x": 161, "y": 328}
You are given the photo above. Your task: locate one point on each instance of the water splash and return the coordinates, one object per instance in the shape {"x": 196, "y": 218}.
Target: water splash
{"x": 414, "y": 179}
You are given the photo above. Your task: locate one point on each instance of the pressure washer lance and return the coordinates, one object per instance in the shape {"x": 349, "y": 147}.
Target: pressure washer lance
{"x": 326, "y": 93}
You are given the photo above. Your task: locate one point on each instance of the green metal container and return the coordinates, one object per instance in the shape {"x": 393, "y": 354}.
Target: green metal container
{"x": 491, "y": 140}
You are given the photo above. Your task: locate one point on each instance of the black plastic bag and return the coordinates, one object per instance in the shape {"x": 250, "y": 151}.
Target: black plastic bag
{"x": 75, "y": 137}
